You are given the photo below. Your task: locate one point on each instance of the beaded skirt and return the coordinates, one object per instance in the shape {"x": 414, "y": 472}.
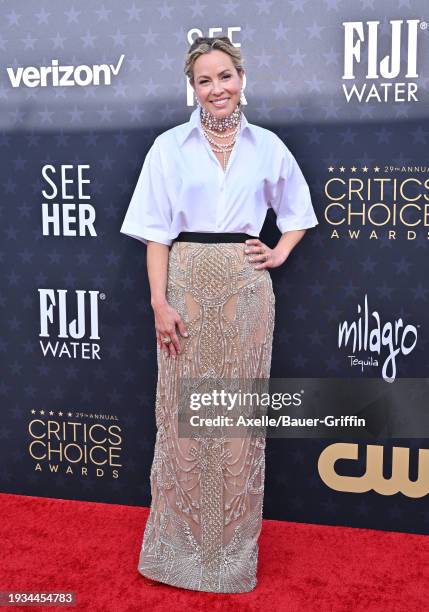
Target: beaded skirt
{"x": 207, "y": 494}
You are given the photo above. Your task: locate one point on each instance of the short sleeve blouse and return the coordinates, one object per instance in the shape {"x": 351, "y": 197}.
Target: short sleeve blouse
{"x": 182, "y": 186}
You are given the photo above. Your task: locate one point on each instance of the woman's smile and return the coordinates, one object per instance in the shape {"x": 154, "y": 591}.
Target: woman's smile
{"x": 220, "y": 103}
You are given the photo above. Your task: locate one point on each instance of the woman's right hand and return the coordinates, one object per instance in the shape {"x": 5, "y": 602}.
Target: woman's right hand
{"x": 166, "y": 319}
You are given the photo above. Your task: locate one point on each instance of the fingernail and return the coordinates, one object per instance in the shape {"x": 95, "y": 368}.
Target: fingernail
{"x": 185, "y": 334}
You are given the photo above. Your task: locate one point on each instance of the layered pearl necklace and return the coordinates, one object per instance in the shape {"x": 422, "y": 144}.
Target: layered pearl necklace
{"x": 213, "y": 125}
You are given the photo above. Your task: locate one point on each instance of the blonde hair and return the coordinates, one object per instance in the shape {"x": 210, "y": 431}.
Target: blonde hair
{"x": 203, "y": 45}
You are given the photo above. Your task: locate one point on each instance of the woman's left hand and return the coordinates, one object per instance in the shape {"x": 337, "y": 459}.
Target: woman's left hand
{"x": 261, "y": 255}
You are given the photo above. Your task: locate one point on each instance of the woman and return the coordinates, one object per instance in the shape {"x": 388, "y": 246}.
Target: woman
{"x": 199, "y": 205}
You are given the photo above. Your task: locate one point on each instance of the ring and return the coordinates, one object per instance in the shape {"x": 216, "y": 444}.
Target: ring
{"x": 166, "y": 340}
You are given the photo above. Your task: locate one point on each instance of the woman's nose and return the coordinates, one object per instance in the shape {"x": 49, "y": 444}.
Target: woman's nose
{"x": 217, "y": 87}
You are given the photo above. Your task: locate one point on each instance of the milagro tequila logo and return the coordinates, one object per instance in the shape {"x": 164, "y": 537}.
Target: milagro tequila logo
{"x": 56, "y": 75}
{"x": 372, "y": 335}
{"x": 70, "y": 336}
{"x": 363, "y": 39}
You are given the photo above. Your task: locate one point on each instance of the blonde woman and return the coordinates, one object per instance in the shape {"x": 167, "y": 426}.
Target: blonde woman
{"x": 199, "y": 205}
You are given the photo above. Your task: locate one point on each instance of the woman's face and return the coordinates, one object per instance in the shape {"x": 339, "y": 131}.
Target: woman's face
{"x": 217, "y": 83}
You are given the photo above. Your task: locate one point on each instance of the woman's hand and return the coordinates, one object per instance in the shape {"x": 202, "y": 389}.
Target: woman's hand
{"x": 166, "y": 319}
{"x": 261, "y": 254}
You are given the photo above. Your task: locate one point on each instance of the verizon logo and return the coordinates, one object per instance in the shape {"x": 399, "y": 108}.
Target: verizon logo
{"x": 64, "y": 76}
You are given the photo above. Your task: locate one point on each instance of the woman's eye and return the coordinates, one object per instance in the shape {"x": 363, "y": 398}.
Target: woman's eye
{"x": 225, "y": 76}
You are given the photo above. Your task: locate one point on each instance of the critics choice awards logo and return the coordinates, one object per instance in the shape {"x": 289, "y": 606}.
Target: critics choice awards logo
{"x": 375, "y": 205}
{"x": 71, "y": 446}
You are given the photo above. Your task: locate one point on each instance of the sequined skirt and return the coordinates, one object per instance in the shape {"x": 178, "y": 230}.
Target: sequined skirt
{"x": 206, "y": 512}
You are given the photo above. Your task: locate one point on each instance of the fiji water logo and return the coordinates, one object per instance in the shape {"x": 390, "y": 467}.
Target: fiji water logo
{"x": 369, "y": 334}
{"x": 393, "y": 74}
{"x": 69, "y": 323}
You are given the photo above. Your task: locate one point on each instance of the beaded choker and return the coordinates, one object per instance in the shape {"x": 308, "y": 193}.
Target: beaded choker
{"x": 220, "y": 124}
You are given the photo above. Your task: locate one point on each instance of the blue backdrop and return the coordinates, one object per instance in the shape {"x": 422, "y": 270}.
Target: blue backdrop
{"x": 84, "y": 92}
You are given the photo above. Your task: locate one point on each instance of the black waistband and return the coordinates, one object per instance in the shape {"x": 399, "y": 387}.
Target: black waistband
{"x": 213, "y": 237}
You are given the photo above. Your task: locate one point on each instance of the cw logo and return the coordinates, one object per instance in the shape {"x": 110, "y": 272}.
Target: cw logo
{"x": 373, "y": 477}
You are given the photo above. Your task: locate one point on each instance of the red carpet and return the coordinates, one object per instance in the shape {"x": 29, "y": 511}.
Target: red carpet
{"x": 93, "y": 548}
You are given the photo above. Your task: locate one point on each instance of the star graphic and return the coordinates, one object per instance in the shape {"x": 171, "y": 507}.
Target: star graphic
{"x": 72, "y": 15}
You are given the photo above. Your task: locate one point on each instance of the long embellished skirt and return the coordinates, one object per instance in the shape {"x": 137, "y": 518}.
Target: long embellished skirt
{"x": 207, "y": 494}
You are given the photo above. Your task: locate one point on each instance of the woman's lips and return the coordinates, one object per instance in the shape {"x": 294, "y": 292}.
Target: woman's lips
{"x": 220, "y": 102}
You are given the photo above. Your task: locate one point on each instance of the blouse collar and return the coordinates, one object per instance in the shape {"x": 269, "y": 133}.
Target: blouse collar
{"x": 194, "y": 125}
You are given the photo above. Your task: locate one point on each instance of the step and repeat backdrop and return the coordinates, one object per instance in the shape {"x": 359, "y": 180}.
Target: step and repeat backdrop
{"x": 84, "y": 90}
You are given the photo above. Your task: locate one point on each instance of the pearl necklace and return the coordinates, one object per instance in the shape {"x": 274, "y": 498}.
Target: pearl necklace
{"x": 223, "y": 123}
{"x": 213, "y": 125}
{"x": 217, "y": 134}
{"x": 219, "y": 147}
{"x": 222, "y": 148}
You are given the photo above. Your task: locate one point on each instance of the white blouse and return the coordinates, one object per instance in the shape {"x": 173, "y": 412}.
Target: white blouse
{"x": 182, "y": 186}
